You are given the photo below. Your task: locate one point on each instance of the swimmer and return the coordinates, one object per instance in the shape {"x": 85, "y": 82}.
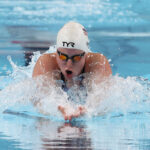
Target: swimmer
{"x": 71, "y": 59}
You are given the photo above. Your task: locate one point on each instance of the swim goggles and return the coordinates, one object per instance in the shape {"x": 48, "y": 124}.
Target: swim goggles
{"x": 74, "y": 58}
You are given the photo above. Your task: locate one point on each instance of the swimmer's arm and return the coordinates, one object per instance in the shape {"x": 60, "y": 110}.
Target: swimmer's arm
{"x": 98, "y": 65}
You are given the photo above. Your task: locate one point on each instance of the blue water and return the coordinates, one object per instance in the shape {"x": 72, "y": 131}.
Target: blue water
{"x": 118, "y": 29}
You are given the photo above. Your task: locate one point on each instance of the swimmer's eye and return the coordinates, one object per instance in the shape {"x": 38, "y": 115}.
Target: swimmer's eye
{"x": 77, "y": 58}
{"x": 62, "y": 57}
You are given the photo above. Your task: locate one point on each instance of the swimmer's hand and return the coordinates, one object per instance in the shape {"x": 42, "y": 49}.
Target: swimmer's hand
{"x": 69, "y": 116}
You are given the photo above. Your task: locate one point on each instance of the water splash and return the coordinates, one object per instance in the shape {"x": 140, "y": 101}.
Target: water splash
{"x": 120, "y": 95}
{"x": 117, "y": 95}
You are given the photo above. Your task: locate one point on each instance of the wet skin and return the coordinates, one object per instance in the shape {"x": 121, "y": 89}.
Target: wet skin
{"x": 78, "y": 112}
{"x": 69, "y": 68}
{"x": 91, "y": 62}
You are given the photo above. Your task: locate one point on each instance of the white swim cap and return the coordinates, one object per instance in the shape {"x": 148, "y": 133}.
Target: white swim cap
{"x": 73, "y": 35}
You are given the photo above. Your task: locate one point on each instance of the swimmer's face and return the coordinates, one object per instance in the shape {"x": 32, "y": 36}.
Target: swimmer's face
{"x": 70, "y": 61}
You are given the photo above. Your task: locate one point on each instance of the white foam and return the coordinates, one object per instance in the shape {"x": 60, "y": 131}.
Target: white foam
{"x": 117, "y": 94}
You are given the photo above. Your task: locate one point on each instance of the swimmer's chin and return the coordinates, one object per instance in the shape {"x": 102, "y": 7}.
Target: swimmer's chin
{"x": 69, "y": 75}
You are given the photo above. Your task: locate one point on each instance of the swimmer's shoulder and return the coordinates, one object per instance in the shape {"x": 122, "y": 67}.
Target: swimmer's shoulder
{"x": 95, "y": 57}
{"x": 96, "y": 62}
{"x": 46, "y": 59}
{"x": 92, "y": 56}
{"x": 45, "y": 63}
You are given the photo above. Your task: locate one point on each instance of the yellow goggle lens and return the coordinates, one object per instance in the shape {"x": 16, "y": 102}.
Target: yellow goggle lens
{"x": 77, "y": 58}
{"x": 63, "y": 57}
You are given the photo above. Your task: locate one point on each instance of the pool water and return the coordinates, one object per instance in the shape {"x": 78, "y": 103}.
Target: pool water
{"x": 118, "y": 29}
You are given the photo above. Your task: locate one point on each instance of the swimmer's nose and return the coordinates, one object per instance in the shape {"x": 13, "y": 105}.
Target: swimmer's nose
{"x": 69, "y": 63}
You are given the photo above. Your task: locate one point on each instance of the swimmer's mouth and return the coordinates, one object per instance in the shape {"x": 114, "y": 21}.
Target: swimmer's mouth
{"x": 69, "y": 72}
